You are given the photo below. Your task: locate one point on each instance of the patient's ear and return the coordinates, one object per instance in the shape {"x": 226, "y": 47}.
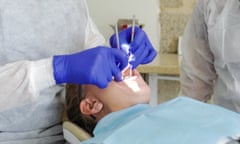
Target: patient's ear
{"x": 90, "y": 106}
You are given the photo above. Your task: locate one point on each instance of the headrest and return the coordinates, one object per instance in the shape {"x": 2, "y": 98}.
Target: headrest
{"x": 73, "y": 133}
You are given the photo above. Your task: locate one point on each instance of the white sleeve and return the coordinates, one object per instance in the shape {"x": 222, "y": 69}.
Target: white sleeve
{"x": 197, "y": 69}
{"x": 22, "y": 81}
{"x": 93, "y": 37}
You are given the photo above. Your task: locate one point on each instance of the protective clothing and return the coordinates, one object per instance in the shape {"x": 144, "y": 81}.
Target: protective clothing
{"x": 140, "y": 47}
{"x": 31, "y": 32}
{"x": 211, "y": 53}
{"x": 179, "y": 121}
{"x": 102, "y": 64}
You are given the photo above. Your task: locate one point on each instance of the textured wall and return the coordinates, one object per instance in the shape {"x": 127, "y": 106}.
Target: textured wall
{"x": 173, "y": 19}
{"x": 167, "y": 90}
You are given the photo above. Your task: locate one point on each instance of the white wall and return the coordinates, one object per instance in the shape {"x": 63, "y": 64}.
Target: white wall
{"x": 106, "y": 12}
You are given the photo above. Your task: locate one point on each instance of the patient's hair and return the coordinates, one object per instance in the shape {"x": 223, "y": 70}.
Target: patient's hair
{"x": 74, "y": 96}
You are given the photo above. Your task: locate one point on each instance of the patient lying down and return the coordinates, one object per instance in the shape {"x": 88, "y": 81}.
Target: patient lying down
{"x": 121, "y": 114}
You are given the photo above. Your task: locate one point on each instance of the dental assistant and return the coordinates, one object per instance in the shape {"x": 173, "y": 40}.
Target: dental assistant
{"x": 43, "y": 45}
{"x": 211, "y": 53}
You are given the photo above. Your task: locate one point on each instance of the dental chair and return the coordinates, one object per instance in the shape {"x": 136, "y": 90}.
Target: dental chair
{"x": 73, "y": 134}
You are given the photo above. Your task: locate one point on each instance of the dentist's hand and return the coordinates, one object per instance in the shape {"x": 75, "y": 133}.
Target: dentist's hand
{"x": 141, "y": 47}
{"x": 93, "y": 66}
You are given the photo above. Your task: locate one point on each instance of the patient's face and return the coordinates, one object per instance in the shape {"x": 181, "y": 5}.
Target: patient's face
{"x": 120, "y": 95}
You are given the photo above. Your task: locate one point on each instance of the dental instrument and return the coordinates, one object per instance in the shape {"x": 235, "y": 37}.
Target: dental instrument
{"x": 131, "y": 56}
{"x": 118, "y": 41}
{"x": 126, "y": 47}
{"x": 117, "y": 36}
{"x": 133, "y": 28}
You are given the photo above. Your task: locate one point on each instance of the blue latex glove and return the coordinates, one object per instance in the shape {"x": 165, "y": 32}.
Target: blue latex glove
{"x": 93, "y": 66}
{"x": 140, "y": 47}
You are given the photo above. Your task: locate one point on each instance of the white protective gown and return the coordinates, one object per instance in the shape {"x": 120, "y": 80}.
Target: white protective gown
{"x": 211, "y": 53}
{"x": 31, "y": 32}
